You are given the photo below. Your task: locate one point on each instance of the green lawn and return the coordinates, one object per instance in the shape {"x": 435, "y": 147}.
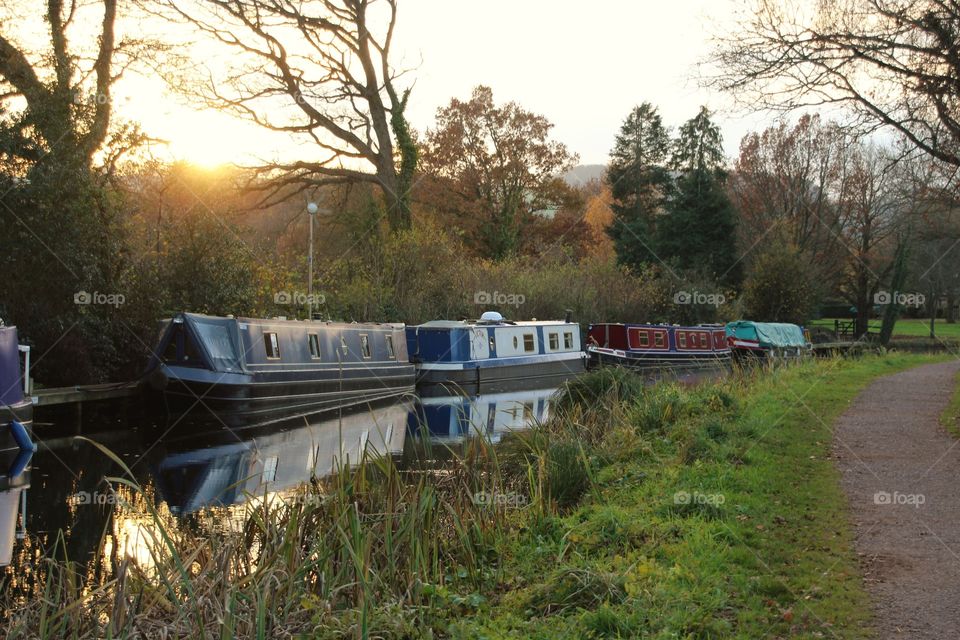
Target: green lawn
{"x": 912, "y": 327}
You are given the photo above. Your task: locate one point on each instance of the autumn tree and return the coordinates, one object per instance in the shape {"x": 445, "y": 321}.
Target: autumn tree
{"x": 495, "y": 166}
{"x": 780, "y": 288}
{"x": 892, "y": 63}
{"x": 785, "y": 185}
{"x": 321, "y": 72}
{"x": 639, "y": 181}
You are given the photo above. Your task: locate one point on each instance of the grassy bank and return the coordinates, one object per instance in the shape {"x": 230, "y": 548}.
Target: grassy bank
{"x": 660, "y": 512}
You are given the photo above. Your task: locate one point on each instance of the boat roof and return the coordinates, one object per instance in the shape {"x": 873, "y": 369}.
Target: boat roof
{"x": 462, "y": 324}
{"x": 295, "y": 322}
{"x": 660, "y": 325}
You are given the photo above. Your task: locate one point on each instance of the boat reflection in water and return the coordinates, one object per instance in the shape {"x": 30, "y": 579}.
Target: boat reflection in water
{"x": 455, "y": 417}
{"x": 224, "y": 467}
{"x": 12, "y": 494}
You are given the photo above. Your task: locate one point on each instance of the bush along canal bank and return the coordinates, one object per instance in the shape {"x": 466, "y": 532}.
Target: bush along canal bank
{"x": 664, "y": 511}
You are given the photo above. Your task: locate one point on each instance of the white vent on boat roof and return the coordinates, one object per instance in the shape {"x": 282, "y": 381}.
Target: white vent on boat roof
{"x": 491, "y": 316}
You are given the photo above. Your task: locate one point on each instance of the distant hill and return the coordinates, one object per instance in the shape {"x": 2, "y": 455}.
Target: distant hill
{"x": 584, "y": 173}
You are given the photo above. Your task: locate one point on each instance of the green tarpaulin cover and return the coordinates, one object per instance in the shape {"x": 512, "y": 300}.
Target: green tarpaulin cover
{"x": 768, "y": 334}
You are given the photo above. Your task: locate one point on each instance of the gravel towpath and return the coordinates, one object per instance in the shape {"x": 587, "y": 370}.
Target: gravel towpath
{"x": 901, "y": 473}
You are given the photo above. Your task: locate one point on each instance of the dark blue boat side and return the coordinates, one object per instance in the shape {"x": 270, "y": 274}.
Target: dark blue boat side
{"x": 275, "y": 367}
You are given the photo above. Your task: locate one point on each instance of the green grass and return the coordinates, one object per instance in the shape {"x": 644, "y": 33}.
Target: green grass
{"x": 950, "y": 418}
{"x": 657, "y": 512}
{"x": 910, "y": 327}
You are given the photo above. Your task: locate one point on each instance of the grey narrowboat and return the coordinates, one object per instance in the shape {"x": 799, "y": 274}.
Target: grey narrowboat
{"x": 275, "y": 367}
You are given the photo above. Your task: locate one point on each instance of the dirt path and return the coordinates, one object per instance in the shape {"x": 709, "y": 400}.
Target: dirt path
{"x": 901, "y": 473}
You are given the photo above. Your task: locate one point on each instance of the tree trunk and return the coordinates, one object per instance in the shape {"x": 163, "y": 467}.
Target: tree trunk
{"x": 897, "y": 280}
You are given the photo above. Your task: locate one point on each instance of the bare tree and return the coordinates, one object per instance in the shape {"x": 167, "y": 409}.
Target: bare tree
{"x": 316, "y": 70}
{"x": 895, "y": 63}
{"x": 786, "y": 183}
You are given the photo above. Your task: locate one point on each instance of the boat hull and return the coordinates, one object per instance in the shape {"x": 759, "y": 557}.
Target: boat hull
{"x": 232, "y": 397}
{"x": 635, "y": 360}
{"x": 494, "y": 377}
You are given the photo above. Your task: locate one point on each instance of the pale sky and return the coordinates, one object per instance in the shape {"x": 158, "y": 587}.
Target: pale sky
{"x": 583, "y": 66}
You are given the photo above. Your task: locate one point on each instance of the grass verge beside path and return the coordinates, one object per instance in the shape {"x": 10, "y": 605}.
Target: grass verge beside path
{"x": 724, "y": 522}
{"x": 950, "y": 418}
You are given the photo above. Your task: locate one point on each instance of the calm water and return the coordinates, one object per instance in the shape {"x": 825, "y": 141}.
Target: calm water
{"x": 197, "y": 472}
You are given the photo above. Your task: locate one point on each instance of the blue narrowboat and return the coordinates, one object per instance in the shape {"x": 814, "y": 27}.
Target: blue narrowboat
{"x": 493, "y": 354}
{"x": 657, "y": 345}
{"x": 16, "y": 406}
{"x": 16, "y": 446}
{"x": 275, "y": 367}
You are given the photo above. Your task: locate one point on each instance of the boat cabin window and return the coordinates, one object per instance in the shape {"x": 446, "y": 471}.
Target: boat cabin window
{"x": 528, "y": 345}
{"x": 554, "y": 341}
{"x": 343, "y": 345}
{"x": 314, "y": 345}
{"x": 644, "y": 338}
{"x": 703, "y": 341}
{"x": 682, "y": 338}
{"x": 390, "y": 352}
{"x": 568, "y": 340}
{"x": 658, "y": 339}
{"x": 365, "y": 345}
{"x": 272, "y": 345}
{"x": 270, "y": 469}
{"x": 181, "y": 350}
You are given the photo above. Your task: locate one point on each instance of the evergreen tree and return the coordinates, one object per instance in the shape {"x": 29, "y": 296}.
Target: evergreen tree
{"x": 639, "y": 182}
{"x": 699, "y": 231}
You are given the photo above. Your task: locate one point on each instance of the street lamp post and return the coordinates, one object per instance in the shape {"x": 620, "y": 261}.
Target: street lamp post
{"x": 311, "y": 212}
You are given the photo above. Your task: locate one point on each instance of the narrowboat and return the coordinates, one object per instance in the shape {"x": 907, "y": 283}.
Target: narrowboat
{"x": 16, "y": 406}
{"x": 766, "y": 340}
{"x": 493, "y": 354}
{"x": 652, "y": 346}
{"x": 275, "y": 367}
{"x": 453, "y": 418}
{"x": 220, "y": 468}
